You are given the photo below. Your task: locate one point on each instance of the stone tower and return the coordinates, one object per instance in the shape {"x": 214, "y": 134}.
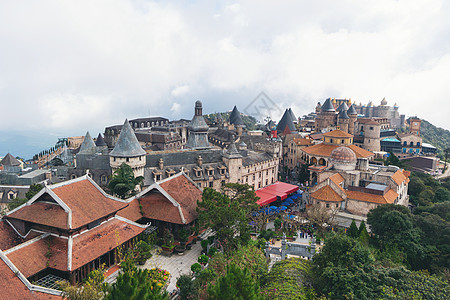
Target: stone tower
{"x": 414, "y": 125}
{"x": 129, "y": 151}
{"x": 198, "y": 130}
{"x": 372, "y": 136}
{"x": 343, "y": 120}
{"x": 236, "y": 121}
{"x": 353, "y": 115}
{"x": 233, "y": 160}
{"x": 327, "y": 116}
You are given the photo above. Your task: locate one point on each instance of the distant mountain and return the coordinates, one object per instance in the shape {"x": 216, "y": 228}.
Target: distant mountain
{"x": 436, "y": 136}
{"x": 250, "y": 122}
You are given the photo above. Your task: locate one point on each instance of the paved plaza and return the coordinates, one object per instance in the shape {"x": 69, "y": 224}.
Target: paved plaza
{"x": 175, "y": 264}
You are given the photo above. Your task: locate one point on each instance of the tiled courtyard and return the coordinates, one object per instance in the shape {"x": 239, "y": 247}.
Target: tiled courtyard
{"x": 176, "y": 264}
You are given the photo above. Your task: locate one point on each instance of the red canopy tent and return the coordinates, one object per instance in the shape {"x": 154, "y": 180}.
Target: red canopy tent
{"x": 270, "y": 193}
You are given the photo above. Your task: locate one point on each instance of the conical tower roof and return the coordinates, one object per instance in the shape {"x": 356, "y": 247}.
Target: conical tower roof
{"x": 232, "y": 151}
{"x": 88, "y": 145}
{"x": 351, "y": 111}
{"x": 235, "y": 117}
{"x": 343, "y": 106}
{"x": 293, "y": 117}
{"x": 127, "y": 144}
{"x": 9, "y": 160}
{"x": 100, "y": 142}
{"x": 286, "y": 121}
{"x": 343, "y": 114}
{"x": 328, "y": 106}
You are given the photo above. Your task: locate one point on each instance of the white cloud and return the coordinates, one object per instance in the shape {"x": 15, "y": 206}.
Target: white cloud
{"x": 64, "y": 63}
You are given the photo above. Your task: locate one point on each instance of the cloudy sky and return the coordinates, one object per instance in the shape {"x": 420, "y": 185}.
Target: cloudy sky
{"x": 71, "y": 66}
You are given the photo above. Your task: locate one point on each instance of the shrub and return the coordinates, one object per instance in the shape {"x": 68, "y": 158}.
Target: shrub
{"x": 196, "y": 268}
{"x": 203, "y": 259}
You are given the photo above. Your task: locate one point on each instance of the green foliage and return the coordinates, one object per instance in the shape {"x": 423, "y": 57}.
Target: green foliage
{"x": 212, "y": 251}
{"x": 363, "y": 235}
{"x": 16, "y": 203}
{"x": 142, "y": 251}
{"x": 277, "y": 223}
{"x": 342, "y": 269}
{"x": 266, "y": 234}
{"x": 353, "y": 230}
{"x": 196, "y": 268}
{"x": 203, "y": 259}
{"x": 183, "y": 235}
{"x": 289, "y": 279}
{"x": 204, "y": 244}
{"x": 188, "y": 289}
{"x": 137, "y": 284}
{"x": 123, "y": 182}
{"x": 34, "y": 189}
{"x": 438, "y": 137}
{"x": 252, "y": 258}
{"x": 93, "y": 287}
{"x": 394, "y": 225}
{"x": 393, "y": 160}
{"x": 235, "y": 284}
{"x": 227, "y": 213}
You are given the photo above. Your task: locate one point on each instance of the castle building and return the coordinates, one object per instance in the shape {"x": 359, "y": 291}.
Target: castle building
{"x": 383, "y": 111}
{"x": 330, "y": 116}
{"x": 345, "y": 185}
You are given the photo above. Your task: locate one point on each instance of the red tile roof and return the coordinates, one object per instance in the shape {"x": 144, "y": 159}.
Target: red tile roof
{"x": 9, "y": 238}
{"x": 338, "y": 133}
{"x": 92, "y": 244}
{"x": 399, "y": 177}
{"x": 12, "y": 287}
{"x": 302, "y": 141}
{"x": 132, "y": 212}
{"x": 32, "y": 258}
{"x": 326, "y": 193}
{"x": 325, "y": 150}
{"x": 84, "y": 199}
{"x": 338, "y": 179}
{"x": 185, "y": 193}
{"x": 50, "y": 214}
{"x": 388, "y": 198}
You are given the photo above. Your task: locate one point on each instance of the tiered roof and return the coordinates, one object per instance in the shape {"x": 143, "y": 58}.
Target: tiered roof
{"x": 172, "y": 200}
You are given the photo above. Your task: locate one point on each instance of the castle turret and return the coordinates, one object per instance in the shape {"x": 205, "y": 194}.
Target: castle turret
{"x": 128, "y": 151}
{"x": 236, "y": 120}
{"x": 343, "y": 120}
{"x": 88, "y": 146}
{"x": 198, "y": 130}
{"x": 353, "y": 115}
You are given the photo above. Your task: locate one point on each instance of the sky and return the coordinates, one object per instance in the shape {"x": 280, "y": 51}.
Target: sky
{"x": 67, "y": 67}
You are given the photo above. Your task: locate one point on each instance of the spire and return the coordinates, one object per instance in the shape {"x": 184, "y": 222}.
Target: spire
{"x": 198, "y": 130}
{"x": 343, "y": 114}
{"x": 127, "y": 144}
{"x": 88, "y": 145}
{"x": 100, "y": 142}
{"x": 328, "y": 106}
{"x": 286, "y": 121}
{"x": 232, "y": 151}
{"x": 294, "y": 119}
{"x": 235, "y": 117}
{"x": 343, "y": 106}
{"x": 351, "y": 111}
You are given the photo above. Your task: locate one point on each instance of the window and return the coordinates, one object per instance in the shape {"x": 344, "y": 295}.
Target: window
{"x": 418, "y": 144}
{"x": 158, "y": 177}
{"x": 342, "y": 141}
{"x": 405, "y": 143}
{"x": 211, "y": 184}
{"x": 371, "y": 128}
{"x": 128, "y": 159}
{"x": 337, "y": 205}
{"x": 328, "y": 205}
{"x": 411, "y": 144}
{"x": 331, "y": 140}
{"x": 199, "y": 184}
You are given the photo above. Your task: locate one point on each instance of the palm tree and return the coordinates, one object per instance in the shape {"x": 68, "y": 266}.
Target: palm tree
{"x": 123, "y": 183}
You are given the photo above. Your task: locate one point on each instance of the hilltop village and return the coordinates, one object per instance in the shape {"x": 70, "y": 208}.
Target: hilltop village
{"x": 332, "y": 160}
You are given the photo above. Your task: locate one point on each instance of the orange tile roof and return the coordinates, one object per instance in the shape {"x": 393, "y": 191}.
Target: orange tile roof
{"x": 9, "y": 238}
{"x": 388, "y": 198}
{"x": 86, "y": 202}
{"x": 325, "y": 150}
{"x": 50, "y": 214}
{"x": 132, "y": 212}
{"x": 302, "y": 141}
{"x": 94, "y": 243}
{"x": 360, "y": 152}
{"x": 398, "y": 177}
{"x": 338, "y": 179}
{"x": 338, "y": 133}
{"x": 156, "y": 206}
{"x": 184, "y": 192}
{"x": 14, "y": 288}
{"x": 32, "y": 258}
{"x": 326, "y": 193}
{"x": 84, "y": 199}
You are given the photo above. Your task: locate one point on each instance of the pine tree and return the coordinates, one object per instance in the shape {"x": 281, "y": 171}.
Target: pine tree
{"x": 235, "y": 284}
{"x": 363, "y": 236}
{"x": 353, "y": 230}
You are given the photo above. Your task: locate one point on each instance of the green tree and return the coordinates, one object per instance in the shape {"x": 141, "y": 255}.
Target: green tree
{"x": 188, "y": 289}
{"x": 93, "y": 288}
{"x": 394, "y": 161}
{"x": 235, "y": 284}
{"x": 227, "y": 213}
{"x": 34, "y": 189}
{"x": 353, "y": 230}
{"x": 441, "y": 195}
{"x": 394, "y": 225}
{"x": 342, "y": 270}
{"x": 135, "y": 284}
{"x": 123, "y": 182}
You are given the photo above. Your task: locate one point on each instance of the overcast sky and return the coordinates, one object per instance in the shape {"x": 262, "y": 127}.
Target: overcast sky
{"x": 71, "y": 66}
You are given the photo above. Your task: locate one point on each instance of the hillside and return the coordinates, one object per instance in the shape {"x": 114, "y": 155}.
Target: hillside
{"x": 249, "y": 121}
{"x": 438, "y": 137}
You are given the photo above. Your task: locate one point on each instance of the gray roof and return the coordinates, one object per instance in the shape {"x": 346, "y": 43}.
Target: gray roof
{"x": 328, "y": 106}
{"x": 127, "y": 145}
{"x": 9, "y": 160}
{"x": 292, "y": 115}
{"x": 100, "y": 141}
{"x": 351, "y": 110}
{"x": 343, "y": 114}
{"x": 88, "y": 145}
{"x": 343, "y": 106}
{"x": 286, "y": 120}
{"x": 184, "y": 157}
{"x": 198, "y": 124}
{"x": 235, "y": 117}
{"x": 233, "y": 152}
